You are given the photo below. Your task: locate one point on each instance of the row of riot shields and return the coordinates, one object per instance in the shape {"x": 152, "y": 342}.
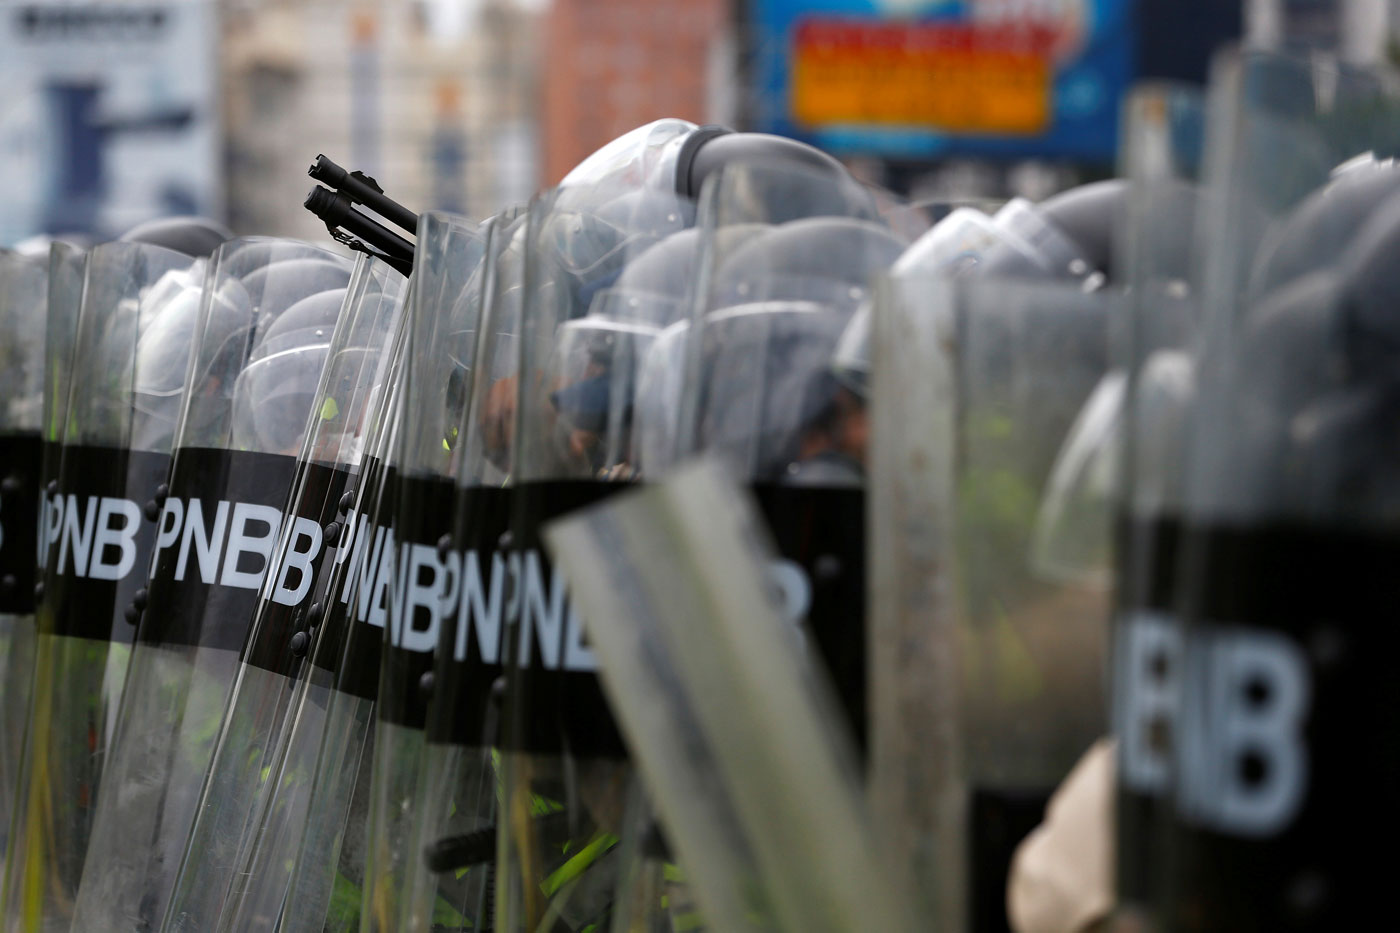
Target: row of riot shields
{"x": 1255, "y": 507}
{"x": 172, "y": 420}
{"x": 300, "y": 656}
{"x": 1051, "y": 518}
{"x": 1197, "y": 450}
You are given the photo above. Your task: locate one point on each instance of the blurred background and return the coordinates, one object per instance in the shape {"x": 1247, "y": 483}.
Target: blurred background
{"x": 114, "y": 111}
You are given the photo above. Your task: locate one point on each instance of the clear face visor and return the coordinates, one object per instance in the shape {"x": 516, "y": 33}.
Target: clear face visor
{"x": 273, "y": 398}
{"x": 163, "y": 353}
{"x": 590, "y": 392}
{"x": 765, "y": 397}
{"x": 135, "y": 330}
{"x": 584, "y": 333}
{"x": 270, "y": 306}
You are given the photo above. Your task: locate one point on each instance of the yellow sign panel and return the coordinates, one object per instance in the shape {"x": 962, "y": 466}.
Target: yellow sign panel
{"x": 946, "y": 77}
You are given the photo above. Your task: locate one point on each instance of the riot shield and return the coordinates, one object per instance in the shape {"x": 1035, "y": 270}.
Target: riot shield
{"x": 764, "y": 395}
{"x": 989, "y": 679}
{"x": 262, "y": 340}
{"x": 1143, "y": 435}
{"x": 23, "y": 303}
{"x": 735, "y": 729}
{"x": 312, "y": 818}
{"x": 1290, "y": 511}
{"x": 139, "y": 308}
{"x": 452, "y": 842}
{"x": 444, "y": 318}
{"x": 582, "y": 338}
{"x": 273, "y": 672}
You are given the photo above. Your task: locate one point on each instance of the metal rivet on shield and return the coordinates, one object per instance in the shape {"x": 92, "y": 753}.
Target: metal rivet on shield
{"x": 9, "y": 485}
{"x": 8, "y": 584}
{"x": 313, "y": 614}
{"x": 52, "y": 487}
{"x": 132, "y": 615}
{"x": 346, "y": 501}
{"x": 138, "y": 599}
{"x": 498, "y": 689}
{"x": 444, "y": 546}
{"x": 331, "y": 533}
{"x": 503, "y": 542}
{"x": 162, "y": 493}
{"x": 151, "y": 510}
{"x": 425, "y": 684}
{"x": 299, "y": 643}
{"x": 38, "y": 591}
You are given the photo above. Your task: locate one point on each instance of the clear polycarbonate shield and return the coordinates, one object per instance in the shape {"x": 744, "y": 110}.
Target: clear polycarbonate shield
{"x": 762, "y": 391}
{"x": 751, "y": 378}
{"x": 1291, "y": 509}
{"x": 770, "y": 234}
{"x": 444, "y": 318}
{"x": 274, "y": 673}
{"x": 988, "y": 679}
{"x": 67, "y": 265}
{"x": 64, "y": 295}
{"x": 736, "y": 732}
{"x": 452, "y": 845}
{"x": 583, "y": 336}
{"x": 23, "y": 310}
{"x": 1121, "y": 467}
{"x": 326, "y": 846}
{"x": 261, "y": 342}
{"x": 116, "y": 452}
{"x": 306, "y": 866}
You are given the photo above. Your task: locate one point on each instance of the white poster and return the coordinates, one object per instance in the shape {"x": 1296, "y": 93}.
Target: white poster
{"x": 109, "y": 114}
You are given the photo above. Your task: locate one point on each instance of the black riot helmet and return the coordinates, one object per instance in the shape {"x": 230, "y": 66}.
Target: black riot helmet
{"x": 711, "y": 148}
{"x": 766, "y": 399}
{"x": 193, "y": 236}
{"x": 824, "y": 259}
{"x": 1319, "y": 230}
{"x": 1088, "y": 215}
{"x": 1066, "y": 238}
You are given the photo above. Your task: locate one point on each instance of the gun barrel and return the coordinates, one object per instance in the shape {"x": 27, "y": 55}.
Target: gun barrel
{"x": 326, "y": 171}
{"x": 337, "y": 210}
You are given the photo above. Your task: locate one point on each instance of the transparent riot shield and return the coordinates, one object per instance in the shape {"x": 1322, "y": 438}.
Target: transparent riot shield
{"x": 566, "y": 780}
{"x": 990, "y": 679}
{"x": 23, "y": 306}
{"x": 451, "y": 848}
{"x": 273, "y": 672}
{"x": 262, "y": 340}
{"x": 764, "y": 393}
{"x": 306, "y": 864}
{"x": 1143, "y": 436}
{"x": 64, "y": 292}
{"x": 1290, "y": 510}
{"x": 734, "y": 728}
{"x": 139, "y": 309}
{"x": 443, "y": 320}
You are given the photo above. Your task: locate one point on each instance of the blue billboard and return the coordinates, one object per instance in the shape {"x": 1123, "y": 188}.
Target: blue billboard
{"x": 929, "y": 78}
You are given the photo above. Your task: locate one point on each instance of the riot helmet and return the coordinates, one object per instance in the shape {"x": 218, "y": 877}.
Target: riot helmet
{"x": 823, "y": 259}
{"x": 1088, "y": 216}
{"x": 1318, "y": 232}
{"x": 197, "y": 237}
{"x": 1021, "y": 241}
{"x": 767, "y": 400}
